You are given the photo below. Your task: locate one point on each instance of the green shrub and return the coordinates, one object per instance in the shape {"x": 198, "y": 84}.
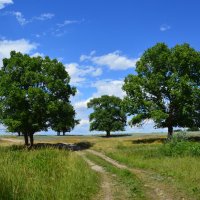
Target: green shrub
{"x": 193, "y": 129}
{"x": 180, "y": 146}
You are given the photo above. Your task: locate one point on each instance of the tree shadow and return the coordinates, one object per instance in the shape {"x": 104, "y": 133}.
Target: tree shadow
{"x": 149, "y": 140}
{"x": 6, "y": 189}
{"x": 162, "y": 140}
{"x": 62, "y": 146}
{"x": 194, "y": 138}
{"x": 115, "y": 136}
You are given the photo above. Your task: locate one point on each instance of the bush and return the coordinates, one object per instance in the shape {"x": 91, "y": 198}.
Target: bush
{"x": 193, "y": 129}
{"x": 180, "y": 146}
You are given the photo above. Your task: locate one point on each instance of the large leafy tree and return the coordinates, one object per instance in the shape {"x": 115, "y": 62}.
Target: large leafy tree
{"x": 108, "y": 114}
{"x": 165, "y": 88}
{"x": 29, "y": 86}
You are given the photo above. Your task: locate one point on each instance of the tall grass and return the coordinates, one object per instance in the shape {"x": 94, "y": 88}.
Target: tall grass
{"x": 45, "y": 174}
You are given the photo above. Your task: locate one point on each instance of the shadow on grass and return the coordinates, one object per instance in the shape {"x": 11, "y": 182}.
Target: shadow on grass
{"x": 59, "y": 135}
{"x": 149, "y": 140}
{"x": 73, "y": 147}
{"x": 6, "y": 190}
{"x": 194, "y": 138}
{"x": 115, "y": 136}
{"x": 162, "y": 140}
{"x": 63, "y": 146}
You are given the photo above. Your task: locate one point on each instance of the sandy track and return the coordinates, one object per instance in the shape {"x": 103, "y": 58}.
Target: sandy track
{"x": 154, "y": 186}
{"x": 11, "y": 140}
{"x": 106, "y": 193}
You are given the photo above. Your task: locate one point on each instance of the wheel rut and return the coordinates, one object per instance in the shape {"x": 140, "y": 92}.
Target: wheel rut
{"x": 154, "y": 186}
{"x": 106, "y": 191}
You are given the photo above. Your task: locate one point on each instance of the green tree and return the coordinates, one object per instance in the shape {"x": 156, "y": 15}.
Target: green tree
{"x": 165, "y": 88}
{"x": 108, "y": 114}
{"x": 62, "y": 117}
{"x": 28, "y": 88}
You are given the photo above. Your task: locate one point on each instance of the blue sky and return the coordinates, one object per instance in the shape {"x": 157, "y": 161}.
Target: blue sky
{"x": 98, "y": 41}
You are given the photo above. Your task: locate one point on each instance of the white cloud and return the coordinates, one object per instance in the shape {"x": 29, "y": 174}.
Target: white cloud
{"x": 114, "y": 60}
{"x": 38, "y": 35}
{"x": 103, "y": 87}
{"x": 37, "y": 54}
{"x": 81, "y": 104}
{"x": 20, "y": 18}
{"x": 84, "y": 122}
{"x": 68, "y": 22}
{"x": 3, "y": 3}
{"x": 78, "y": 73}
{"x": 165, "y": 27}
{"x": 44, "y": 16}
{"x": 59, "y": 30}
{"x": 109, "y": 87}
{"x": 22, "y": 45}
{"x": 23, "y": 21}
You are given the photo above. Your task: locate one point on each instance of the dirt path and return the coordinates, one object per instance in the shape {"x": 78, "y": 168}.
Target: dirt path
{"x": 105, "y": 193}
{"x": 154, "y": 185}
{"x": 11, "y": 140}
{"x": 111, "y": 188}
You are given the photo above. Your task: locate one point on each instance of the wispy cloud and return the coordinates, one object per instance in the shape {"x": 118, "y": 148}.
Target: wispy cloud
{"x": 68, "y": 22}
{"x": 165, "y": 27}
{"x": 23, "y": 21}
{"x": 20, "y": 18}
{"x": 60, "y": 30}
{"x": 44, "y": 16}
{"x": 3, "y": 3}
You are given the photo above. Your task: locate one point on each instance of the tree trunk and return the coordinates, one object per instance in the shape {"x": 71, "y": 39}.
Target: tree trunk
{"x": 26, "y": 139}
{"x": 107, "y": 133}
{"x": 170, "y": 132}
{"x": 31, "y": 139}
{"x": 63, "y": 133}
{"x": 19, "y": 134}
{"x": 58, "y": 133}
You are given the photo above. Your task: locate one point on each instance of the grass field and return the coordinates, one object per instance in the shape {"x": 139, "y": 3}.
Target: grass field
{"x": 45, "y": 174}
{"x": 58, "y": 174}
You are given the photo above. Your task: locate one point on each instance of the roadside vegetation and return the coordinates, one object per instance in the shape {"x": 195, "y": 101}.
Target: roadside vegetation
{"x": 45, "y": 174}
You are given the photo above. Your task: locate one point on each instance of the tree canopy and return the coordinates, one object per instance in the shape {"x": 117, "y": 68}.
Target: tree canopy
{"x": 165, "y": 88}
{"x": 31, "y": 91}
{"x": 108, "y": 114}
{"x": 62, "y": 117}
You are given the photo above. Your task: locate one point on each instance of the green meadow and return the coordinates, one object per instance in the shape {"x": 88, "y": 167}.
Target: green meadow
{"x": 50, "y": 173}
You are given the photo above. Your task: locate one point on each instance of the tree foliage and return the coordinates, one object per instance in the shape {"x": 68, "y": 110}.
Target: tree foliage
{"x": 165, "y": 88}
{"x": 33, "y": 92}
{"x": 62, "y": 117}
{"x": 108, "y": 114}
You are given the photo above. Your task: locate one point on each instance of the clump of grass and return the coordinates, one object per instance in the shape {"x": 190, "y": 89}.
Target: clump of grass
{"x": 45, "y": 174}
